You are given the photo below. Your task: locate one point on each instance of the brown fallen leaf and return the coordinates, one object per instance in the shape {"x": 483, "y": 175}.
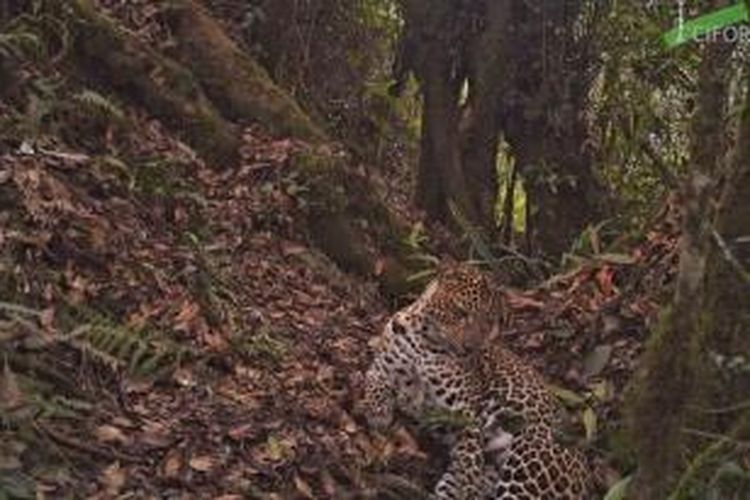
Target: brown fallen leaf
{"x": 113, "y": 479}
{"x": 155, "y": 434}
{"x": 11, "y": 397}
{"x": 203, "y": 463}
{"x": 243, "y": 431}
{"x": 110, "y": 434}
{"x": 47, "y": 318}
{"x": 520, "y": 302}
{"x": 171, "y": 465}
{"x": 303, "y": 488}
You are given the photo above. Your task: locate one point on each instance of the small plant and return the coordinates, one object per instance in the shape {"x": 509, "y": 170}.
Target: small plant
{"x": 139, "y": 353}
{"x": 99, "y": 106}
{"x": 263, "y": 345}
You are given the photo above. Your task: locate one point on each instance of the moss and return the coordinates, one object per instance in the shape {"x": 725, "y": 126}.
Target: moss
{"x": 238, "y": 85}
{"x": 658, "y": 397}
{"x": 350, "y": 223}
{"x": 168, "y": 90}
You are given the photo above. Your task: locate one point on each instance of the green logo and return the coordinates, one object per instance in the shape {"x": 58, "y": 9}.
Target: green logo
{"x": 694, "y": 28}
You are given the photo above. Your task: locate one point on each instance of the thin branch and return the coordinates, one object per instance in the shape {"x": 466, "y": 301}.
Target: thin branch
{"x": 18, "y": 308}
{"x": 715, "y": 436}
{"x": 666, "y": 175}
{"x": 729, "y": 256}
{"x": 727, "y": 409}
{"x": 105, "y": 453}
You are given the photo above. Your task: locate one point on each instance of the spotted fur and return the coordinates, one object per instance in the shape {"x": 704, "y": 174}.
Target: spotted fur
{"x": 416, "y": 371}
{"x": 464, "y": 305}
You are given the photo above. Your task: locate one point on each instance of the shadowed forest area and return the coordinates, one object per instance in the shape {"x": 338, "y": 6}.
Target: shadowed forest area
{"x": 212, "y": 210}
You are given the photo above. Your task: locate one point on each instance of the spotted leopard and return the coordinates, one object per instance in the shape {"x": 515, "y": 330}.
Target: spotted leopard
{"x": 464, "y": 304}
{"x": 417, "y": 371}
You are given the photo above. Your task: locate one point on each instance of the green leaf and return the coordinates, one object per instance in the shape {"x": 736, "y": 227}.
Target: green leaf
{"x": 603, "y": 390}
{"x": 618, "y": 490}
{"x": 589, "y": 423}
{"x": 569, "y": 397}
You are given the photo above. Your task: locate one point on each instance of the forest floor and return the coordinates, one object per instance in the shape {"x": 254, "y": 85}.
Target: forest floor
{"x": 177, "y": 336}
{"x": 167, "y": 330}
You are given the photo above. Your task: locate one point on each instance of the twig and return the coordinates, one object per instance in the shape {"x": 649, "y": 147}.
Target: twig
{"x": 400, "y": 485}
{"x": 718, "y": 437}
{"x": 17, "y": 308}
{"x": 727, "y": 409}
{"x": 75, "y": 444}
{"x": 729, "y": 256}
{"x": 665, "y": 174}
{"x": 709, "y": 454}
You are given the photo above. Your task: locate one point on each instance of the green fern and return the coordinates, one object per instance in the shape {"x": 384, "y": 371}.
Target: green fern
{"x": 20, "y": 45}
{"x": 99, "y": 106}
{"x": 138, "y": 353}
{"x": 263, "y": 344}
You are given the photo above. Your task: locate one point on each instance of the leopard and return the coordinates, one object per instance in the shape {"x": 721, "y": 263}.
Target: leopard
{"x": 465, "y": 305}
{"x": 417, "y": 369}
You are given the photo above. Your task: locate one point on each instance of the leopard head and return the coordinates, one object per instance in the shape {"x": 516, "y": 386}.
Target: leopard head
{"x": 465, "y": 304}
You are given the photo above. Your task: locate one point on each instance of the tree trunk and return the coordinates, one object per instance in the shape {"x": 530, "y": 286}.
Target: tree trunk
{"x": 167, "y": 89}
{"x": 441, "y": 113}
{"x": 433, "y": 48}
{"x": 666, "y": 382}
{"x": 480, "y": 130}
{"x": 239, "y": 86}
{"x": 434, "y": 56}
{"x": 348, "y": 221}
{"x": 544, "y": 121}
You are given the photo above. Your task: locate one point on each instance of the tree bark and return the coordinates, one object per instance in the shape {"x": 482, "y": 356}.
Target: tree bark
{"x": 168, "y": 90}
{"x": 240, "y": 88}
{"x": 544, "y": 121}
{"x": 667, "y": 379}
{"x": 434, "y": 53}
{"x": 480, "y": 130}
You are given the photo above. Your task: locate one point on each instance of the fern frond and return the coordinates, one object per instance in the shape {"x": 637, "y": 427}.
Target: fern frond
{"x": 135, "y": 352}
{"x": 21, "y": 45}
{"x": 99, "y": 105}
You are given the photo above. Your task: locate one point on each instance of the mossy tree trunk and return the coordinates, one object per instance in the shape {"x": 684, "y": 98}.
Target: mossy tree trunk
{"x": 349, "y": 222}
{"x": 235, "y": 83}
{"x": 723, "y": 393}
{"x": 206, "y": 86}
{"x": 167, "y": 89}
{"x": 549, "y": 76}
{"x": 529, "y": 81}
{"x": 665, "y": 385}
